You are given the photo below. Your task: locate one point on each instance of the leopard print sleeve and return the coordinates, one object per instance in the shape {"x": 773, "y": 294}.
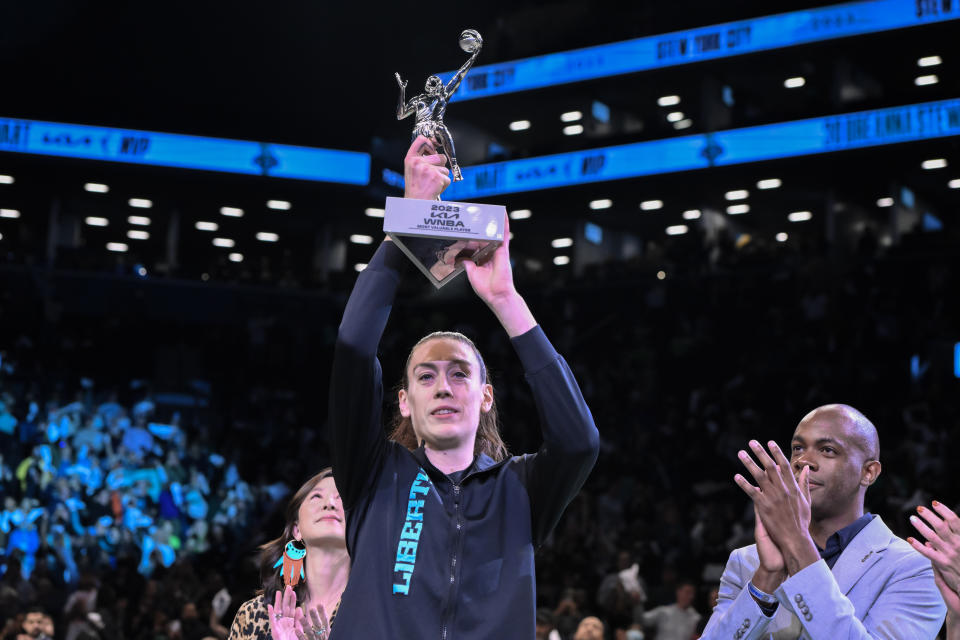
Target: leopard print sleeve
{"x": 251, "y": 621}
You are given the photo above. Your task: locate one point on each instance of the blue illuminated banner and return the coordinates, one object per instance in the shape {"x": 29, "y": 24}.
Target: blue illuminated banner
{"x": 182, "y": 151}
{"x": 956, "y": 360}
{"x": 704, "y": 43}
{"x": 751, "y": 144}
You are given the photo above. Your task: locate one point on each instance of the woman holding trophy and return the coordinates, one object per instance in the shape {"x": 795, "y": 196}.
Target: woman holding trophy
{"x": 441, "y": 522}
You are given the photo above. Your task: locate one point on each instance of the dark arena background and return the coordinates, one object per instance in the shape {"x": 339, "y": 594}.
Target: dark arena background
{"x": 725, "y": 215}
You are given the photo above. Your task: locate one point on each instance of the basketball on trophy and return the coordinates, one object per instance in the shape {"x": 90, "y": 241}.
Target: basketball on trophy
{"x": 470, "y": 41}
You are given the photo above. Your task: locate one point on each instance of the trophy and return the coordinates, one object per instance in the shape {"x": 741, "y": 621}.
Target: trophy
{"x": 438, "y": 236}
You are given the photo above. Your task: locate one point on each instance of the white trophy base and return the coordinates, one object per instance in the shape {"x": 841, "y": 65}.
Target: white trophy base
{"x": 438, "y": 236}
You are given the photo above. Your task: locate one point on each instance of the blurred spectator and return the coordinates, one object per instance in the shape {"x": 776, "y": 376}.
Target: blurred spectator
{"x": 36, "y": 625}
{"x": 590, "y": 628}
{"x": 729, "y": 347}
{"x": 545, "y": 626}
{"x": 675, "y": 621}
{"x": 622, "y": 595}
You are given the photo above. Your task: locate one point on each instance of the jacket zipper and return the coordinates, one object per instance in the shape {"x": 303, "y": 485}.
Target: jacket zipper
{"x": 453, "y": 558}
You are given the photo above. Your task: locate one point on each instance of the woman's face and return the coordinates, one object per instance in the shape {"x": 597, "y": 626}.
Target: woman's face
{"x": 445, "y": 393}
{"x": 320, "y": 520}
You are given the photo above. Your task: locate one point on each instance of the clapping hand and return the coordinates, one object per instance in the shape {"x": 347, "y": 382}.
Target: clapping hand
{"x": 782, "y": 503}
{"x": 941, "y": 528}
{"x": 288, "y": 622}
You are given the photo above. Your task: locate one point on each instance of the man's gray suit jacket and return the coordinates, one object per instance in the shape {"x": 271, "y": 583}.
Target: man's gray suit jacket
{"x": 880, "y": 587}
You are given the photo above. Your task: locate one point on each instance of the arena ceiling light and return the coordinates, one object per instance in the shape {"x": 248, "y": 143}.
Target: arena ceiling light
{"x": 675, "y": 116}
{"x": 226, "y": 243}
{"x": 691, "y": 214}
{"x": 236, "y": 257}
{"x": 799, "y": 216}
{"x": 651, "y": 205}
{"x": 677, "y": 229}
{"x": 573, "y": 130}
{"x": 668, "y": 101}
{"x": 519, "y": 125}
{"x": 603, "y": 203}
{"x": 96, "y": 221}
{"x": 373, "y": 212}
{"x": 96, "y": 187}
{"x": 359, "y": 238}
{"x": 934, "y": 163}
{"x": 737, "y": 209}
{"x": 795, "y": 83}
{"x": 570, "y": 116}
{"x": 118, "y": 247}
{"x": 231, "y": 212}
{"x": 9, "y": 213}
{"x": 561, "y": 243}
{"x": 278, "y": 205}
{"x": 267, "y": 236}
{"x": 737, "y": 194}
{"x": 561, "y": 261}
{"x": 686, "y": 123}
{"x": 203, "y": 225}
{"x": 138, "y": 234}
{"x": 769, "y": 183}
{"x": 521, "y": 214}
{"x": 954, "y": 184}
{"x": 140, "y": 203}
{"x": 142, "y": 221}
{"x": 782, "y": 237}
{"x": 5, "y": 179}
{"x": 360, "y": 266}
{"x": 929, "y": 61}
{"x": 884, "y": 202}
{"x": 922, "y": 81}
{"x": 661, "y": 275}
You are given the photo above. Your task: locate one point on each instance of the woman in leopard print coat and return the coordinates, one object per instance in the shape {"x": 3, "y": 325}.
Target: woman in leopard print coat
{"x": 314, "y": 517}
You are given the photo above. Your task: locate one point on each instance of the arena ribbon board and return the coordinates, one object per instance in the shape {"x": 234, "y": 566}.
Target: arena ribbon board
{"x": 842, "y": 132}
{"x": 705, "y": 43}
{"x": 184, "y": 151}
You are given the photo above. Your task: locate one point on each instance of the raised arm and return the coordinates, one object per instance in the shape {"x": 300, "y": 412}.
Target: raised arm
{"x": 571, "y": 441}
{"x": 493, "y": 283}
{"x": 356, "y": 383}
{"x": 404, "y": 109}
{"x": 457, "y": 78}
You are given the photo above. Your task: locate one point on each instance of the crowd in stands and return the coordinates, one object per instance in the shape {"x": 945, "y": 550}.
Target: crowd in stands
{"x": 131, "y": 513}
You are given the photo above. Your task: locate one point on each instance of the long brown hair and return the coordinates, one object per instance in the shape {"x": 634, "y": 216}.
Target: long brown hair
{"x": 488, "y": 430}
{"x": 271, "y": 551}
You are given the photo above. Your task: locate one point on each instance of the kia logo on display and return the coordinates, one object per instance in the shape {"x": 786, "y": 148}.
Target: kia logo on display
{"x": 67, "y": 140}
